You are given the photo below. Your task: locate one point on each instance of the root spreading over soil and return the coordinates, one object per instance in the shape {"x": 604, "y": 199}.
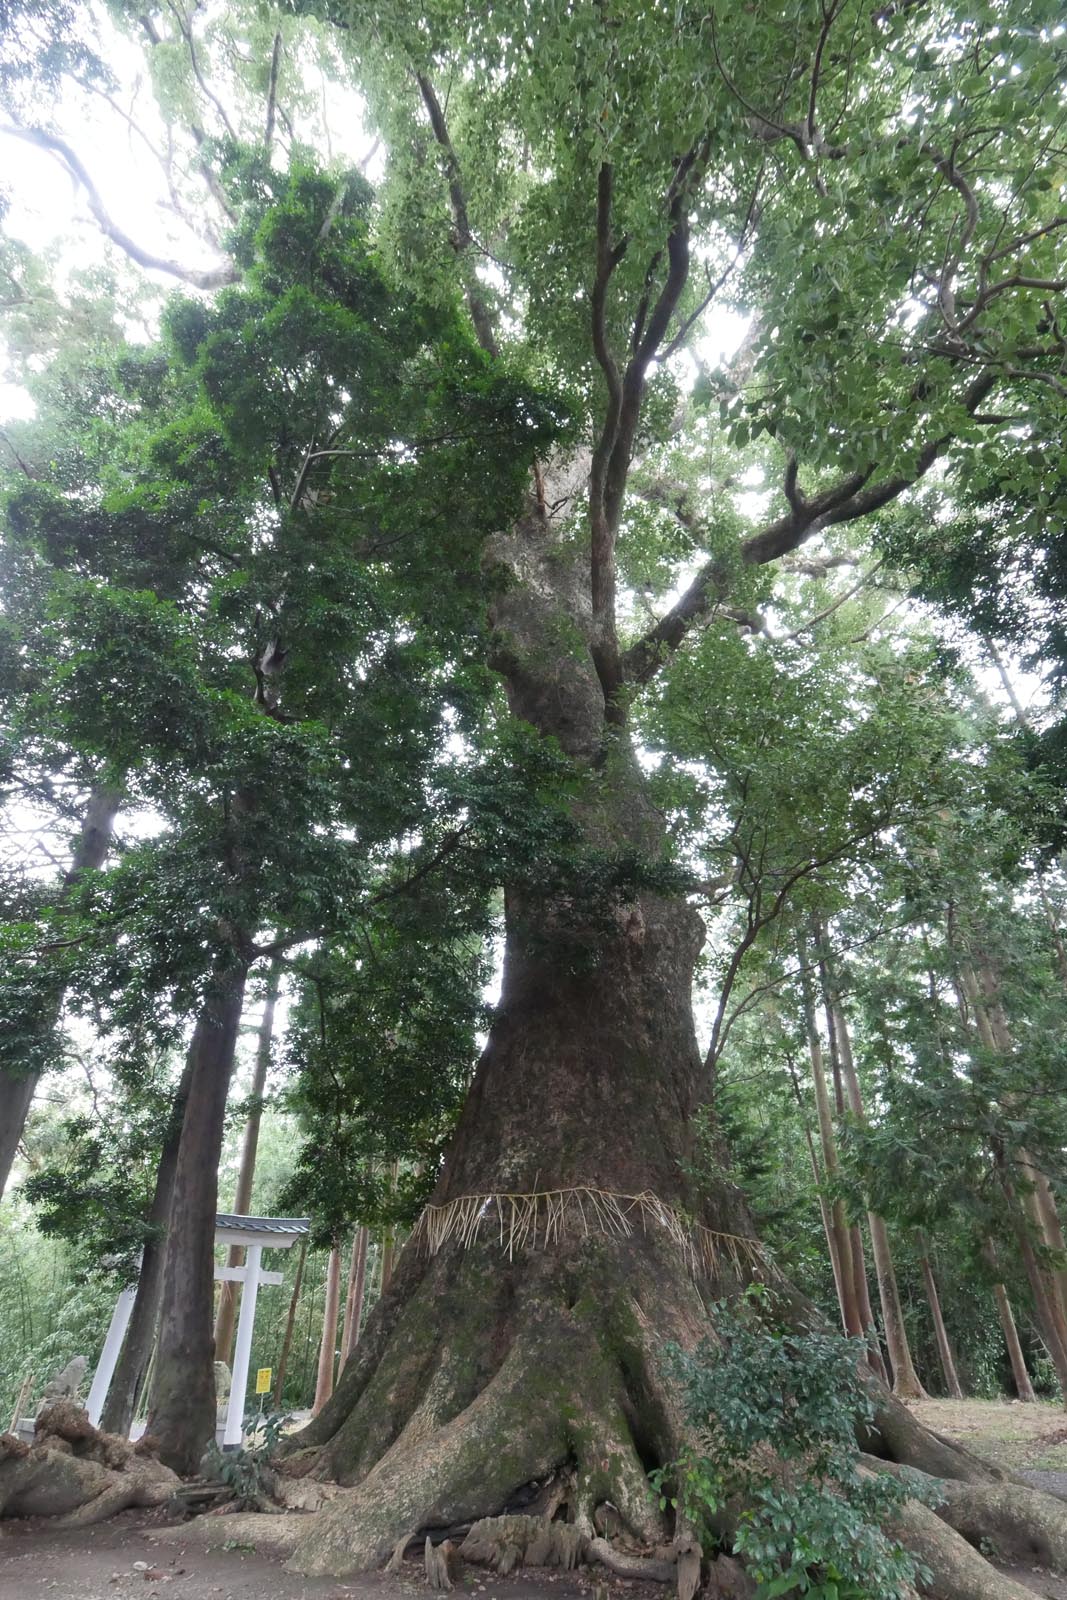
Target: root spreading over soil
{"x": 76, "y": 1474}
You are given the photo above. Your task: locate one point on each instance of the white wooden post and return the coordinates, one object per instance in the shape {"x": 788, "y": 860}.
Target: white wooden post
{"x": 242, "y": 1353}
{"x": 109, "y": 1355}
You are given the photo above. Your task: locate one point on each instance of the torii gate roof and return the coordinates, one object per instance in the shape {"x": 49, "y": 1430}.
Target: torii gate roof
{"x": 276, "y": 1233}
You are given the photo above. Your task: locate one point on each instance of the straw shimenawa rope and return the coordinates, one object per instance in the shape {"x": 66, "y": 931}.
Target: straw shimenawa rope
{"x": 526, "y": 1220}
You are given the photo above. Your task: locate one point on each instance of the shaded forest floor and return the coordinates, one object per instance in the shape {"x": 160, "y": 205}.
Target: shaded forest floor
{"x": 121, "y": 1561}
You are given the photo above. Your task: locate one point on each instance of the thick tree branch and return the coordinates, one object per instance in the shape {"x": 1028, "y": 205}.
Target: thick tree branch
{"x": 851, "y": 498}
{"x": 462, "y": 237}
{"x": 612, "y": 455}
{"x": 602, "y": 535}
{"x": 272, "y": 91}
{"x": 206, "y": 278}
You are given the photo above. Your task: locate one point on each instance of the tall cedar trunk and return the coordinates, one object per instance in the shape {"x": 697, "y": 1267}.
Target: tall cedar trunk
{"x": 860, "y": 1286}
{"x": 1023, "y": 1386}
{"x": 905, "y": 1379}
{"x": 290, "y": 1324}
{"x": 1046, "y": 1303}
{"x": 18, "y": 1088}
{"x": 1041, "y": 1200}
{"x": 944, "y": 1344}
{"x": 824, "y": 1209}
{"x": 225, "y": 1317}
{"x": 124, "y": 1391}
{"x": 1035, "y": 1206}
{"x": 863, "y": 1302}
{"x": 183, "y": 1404}
{"x": 851, "y": 1317}
{"x": 328, "y": 1341}
{"x": 357, "y": 1283}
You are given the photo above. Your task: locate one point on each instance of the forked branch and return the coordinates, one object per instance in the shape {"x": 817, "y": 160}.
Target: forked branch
{"x": 199, "y": 278}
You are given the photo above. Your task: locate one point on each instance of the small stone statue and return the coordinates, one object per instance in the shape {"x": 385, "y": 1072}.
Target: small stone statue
{"x": 223, "y": 1382}
{"x": 65, "y": 1384}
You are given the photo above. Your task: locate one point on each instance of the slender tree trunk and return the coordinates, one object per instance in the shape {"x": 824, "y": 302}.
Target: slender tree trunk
{"x": 850, "y": 1313}
{"x": 225, "y": 1317}
{"x": 124, "y": 1391}
{"x": 183, "y": 1406}
{"x": 905, "y": 1378}
{"x": 328, "y": 1342}
{"x": 357, "y": 1282}
{"x": 290, "y": 1323}
{"x": 1046, "y": 1303}
{"x": 1023, "y": 1386}
{"x": 824, "y": 1209}
{"x": 944, "y": 1345}
{"x": 863, "y": 1301}
{"x": 389, "y": 1238}
{"x": 1049, "y": 1284}
{"x": 18, "y": 1081}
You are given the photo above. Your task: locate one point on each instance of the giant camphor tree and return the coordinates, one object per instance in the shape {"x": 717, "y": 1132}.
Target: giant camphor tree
{"x": 878, "y": 190}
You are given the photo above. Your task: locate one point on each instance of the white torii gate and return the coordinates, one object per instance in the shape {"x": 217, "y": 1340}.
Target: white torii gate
{"x": 256, "y": 1234}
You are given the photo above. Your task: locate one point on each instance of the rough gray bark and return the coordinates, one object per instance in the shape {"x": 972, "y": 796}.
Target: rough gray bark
{"x": 944, "y": 1344}
{"x": 357, "y": 1283}
{"x": 906, "y": 1382}
{"x": 328, "y": 1341}
{"x": 225, "y": 1317}
{"x": 182, "y": 1410}
{"x": 17, "y": 1087}
{"x": 124, "y": 1392}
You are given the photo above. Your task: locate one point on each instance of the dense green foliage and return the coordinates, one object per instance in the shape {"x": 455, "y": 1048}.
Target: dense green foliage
{"x": 776, "y": 1415}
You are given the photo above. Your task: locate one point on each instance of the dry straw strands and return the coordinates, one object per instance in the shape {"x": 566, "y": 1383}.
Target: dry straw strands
{"x": 523, "y": 1221}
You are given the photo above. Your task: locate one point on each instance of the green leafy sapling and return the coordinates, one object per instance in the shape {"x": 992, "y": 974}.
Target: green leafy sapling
{"x": 774, "y": 1415}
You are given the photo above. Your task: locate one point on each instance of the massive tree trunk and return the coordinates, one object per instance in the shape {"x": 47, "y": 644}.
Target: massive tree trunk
{"x": 226, "y": 1314}
{"x": 566, "y": 1243}
{"x": 182, "y": 1411}
{"x": 17, "y": 1086}
{"x": 131, "y": 1370}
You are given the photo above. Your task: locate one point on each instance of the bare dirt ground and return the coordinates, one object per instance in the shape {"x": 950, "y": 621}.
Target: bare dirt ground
{"x": 1028, "y": 1439}
{"x": 120, "y": 1561}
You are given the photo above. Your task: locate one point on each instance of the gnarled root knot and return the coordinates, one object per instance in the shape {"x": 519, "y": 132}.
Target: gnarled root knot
{"x": 76, "y": 1474}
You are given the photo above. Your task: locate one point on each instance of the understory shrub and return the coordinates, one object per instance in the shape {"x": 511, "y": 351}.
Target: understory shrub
{"x": 774, "y": 1414}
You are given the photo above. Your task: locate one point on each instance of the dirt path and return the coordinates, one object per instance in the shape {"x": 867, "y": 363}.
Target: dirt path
{"x": 118, "y": 1561}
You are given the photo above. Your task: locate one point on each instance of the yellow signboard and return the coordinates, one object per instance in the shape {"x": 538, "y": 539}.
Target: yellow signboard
{"x": 263, "y": 1376}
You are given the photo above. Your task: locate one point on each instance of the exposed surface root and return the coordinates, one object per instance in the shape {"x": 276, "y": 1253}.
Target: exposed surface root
{"x": 905, "y": 1441}
{"x": 505, "y": 1543}
{"x": 644, "y": 1568}
{"x": 959, "y": 1573}
{"x": 76, "y": 1474}
{"x": 1022, "y": 1524}
{"x": 466, "y": 1467}
{"x": 280, "y": 1531}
